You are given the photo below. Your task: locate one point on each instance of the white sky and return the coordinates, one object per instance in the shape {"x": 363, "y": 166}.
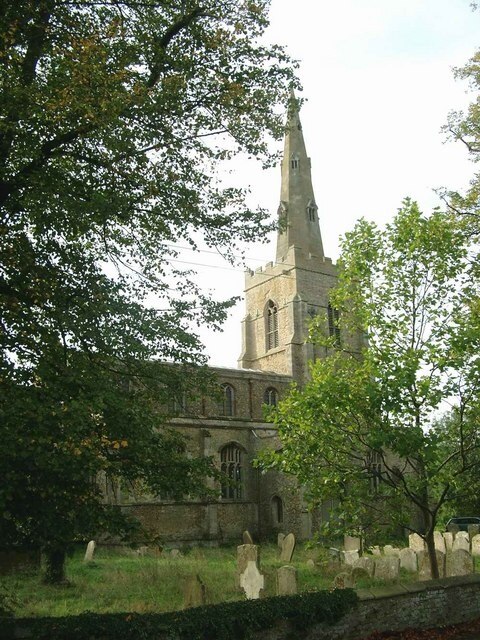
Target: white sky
{"x": 377, "y": 77}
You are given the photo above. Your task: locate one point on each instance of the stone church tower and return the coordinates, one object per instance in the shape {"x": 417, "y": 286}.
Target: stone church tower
{"x": 282, "y": 296}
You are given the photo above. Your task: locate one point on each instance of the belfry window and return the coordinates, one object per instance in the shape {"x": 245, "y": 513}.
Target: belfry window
{"x": 231, "y": 468}
{"x": 294, "y": 163}
{"x": 226, "y": 405}
{"x": 272, "y": 325}
{"x": 311, "y": 210}
{"x": 333, "y": 328}
{"x": 270, "y": 397}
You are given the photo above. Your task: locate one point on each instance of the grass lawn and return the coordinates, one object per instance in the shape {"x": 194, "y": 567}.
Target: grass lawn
{"x": 117, "y": 582}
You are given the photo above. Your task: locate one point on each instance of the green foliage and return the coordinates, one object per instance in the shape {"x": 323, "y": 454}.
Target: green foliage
{"x": 366, "y": 432}
{"x": 114, "y": 117}
{"x": 232, "y": 621}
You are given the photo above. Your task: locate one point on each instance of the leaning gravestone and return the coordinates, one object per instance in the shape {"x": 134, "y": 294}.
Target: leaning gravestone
{"x": 365, "y": 563}
{"x": 476, "y": 545}
{"x": 90, "y": 551}
{"x": 473, "y": 530}
{"x": 424, "y": 570}
{"x": 388, "y": 550}
{"x": 461, "y": 542}
{"x": 194, "y": 594}
{"x": 350, "y": 557}
{"x": 387, "y": 568}
{"x": 351, "y": 543}
{"x": 448, "y": 537}
{"x": 286, "y": 581}
{"x": 343, "y": 580}
{"x": 408, "y": 560}
{"x": 245, "y": 554}
{"x": 459, "y": 563}
{"x": 439, "y": 542}
{"x": 247, "y": 538}
{"x": 288, "y": 547}
{"x": 280, "y": 539}
{"x": 252, "y": 581}
{"x": 416, "y": 542}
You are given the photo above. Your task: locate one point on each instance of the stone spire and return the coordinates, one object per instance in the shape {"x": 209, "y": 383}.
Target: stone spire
{"x": 298, "y": 209}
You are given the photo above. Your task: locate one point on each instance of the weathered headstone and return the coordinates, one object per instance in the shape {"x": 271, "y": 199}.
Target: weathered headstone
{"x": 90, "y": 551}
{"x": 439, "y": 542}
{"x": 408, "y": 560}
{"x": 366, "y": 563}
{"x": 247, "y": 538}
{"x": 252, "y": 581}
{"x": 359, "y": 573}
{"x": 461, "y": 542}
{"x": 141, "y": 551}
{"x": 288, "y": 547}
{"x": 175, "y": 554}
{"x": 387, "y": 568}
{"x": 473, "y": 530}
{"x": 476, "y": 545}
{"x": 311, "y": 563}
{"x": 424, "y": 569}
{"x": 351, "y": 543}
{"x": 343, "y": 580}
{"x": 194, "y": 594}
{"x": 245, "y": 554}
{"x": 416, "y": 542}
{"x": 286, "y": 581}
{"x": 453, "y": 529}
{"x": 333, "y": 553}
{"x": 350, "y": 557}
{"x": 376, "y": 551}
{"x": 448, "y": 537}
{"x": 280, "y": 539}
{"x": 388, "y": 550}
{"x": 459, "y": 563}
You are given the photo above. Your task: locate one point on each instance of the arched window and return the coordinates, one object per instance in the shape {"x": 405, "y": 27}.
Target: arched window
{"x": 294, "y": 162}
{"x": 374, "y": 468}
{"x": 333, "y": 328}
{"x": 277, "y": 510}
{"x": 270, "y": 396}
{"x": 226, "y": 405}
{"x": 231, "y": 468}
{"x": 272, "y": 325}
{"x": 311, "y": 210}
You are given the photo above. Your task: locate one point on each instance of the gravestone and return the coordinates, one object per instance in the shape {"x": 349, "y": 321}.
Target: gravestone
{"x": 376, "y": 551}
{"x": 141, "y": 551}
{"x": 365, "y": 563}
{"x": 334, "y": 554}
{"x": 194, "y": 594}
{"x": 387, "y": 568}
{"x": 424, "y": 570}
{"x": 416, "y": 542}
{"x": 476, "y": 545}
{"x": 351, "y": 543}
{"x": 439, "y": 542}
{"x": 286, "y": 581}
{"x": 343, "y": 580}
{"x": 359, "y": 573}
{"x": 288, "y": 547}
{"x": 90, "y": 551}
{"x": 175, "y": 554}
{"x": 252, "y": 581}
{"x": 473, "y": 530}
{"x": 247, "y": 538}
{"x": 461, "y": 542}
{"x": 280, "y": 539}
{"x": 408, "y": 560}
{"x": 459, "y": 563}
{"x": 388, "y": 550}
{"x": 448, "y": 537}
{"x": 350, "y": 557}
{"x": 453, "y": 529}
{"x": 311, "y": 563}
{"x": 245, "y": 554}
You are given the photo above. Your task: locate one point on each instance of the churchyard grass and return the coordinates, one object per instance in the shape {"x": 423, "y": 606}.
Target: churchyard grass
{"x": 118, "y": 581}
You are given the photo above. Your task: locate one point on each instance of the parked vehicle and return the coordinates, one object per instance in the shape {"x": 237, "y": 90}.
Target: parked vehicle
{"x": 462, "y": 522}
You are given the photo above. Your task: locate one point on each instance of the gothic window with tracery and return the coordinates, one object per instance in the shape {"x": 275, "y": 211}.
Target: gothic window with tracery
{"x": 333, "y": 328}
{"x": 374, "y": 466}
{"x": 270, "y": 396}
{"x": 272, "y": 325}
{"x": 226, "y": 405}
{"x": 231, "y": 468}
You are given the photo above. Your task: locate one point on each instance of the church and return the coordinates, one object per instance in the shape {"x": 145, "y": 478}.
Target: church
{"x": 280, "y": 299}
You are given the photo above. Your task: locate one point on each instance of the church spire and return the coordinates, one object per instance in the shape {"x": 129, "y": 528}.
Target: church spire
{"x": 298, "y": 211}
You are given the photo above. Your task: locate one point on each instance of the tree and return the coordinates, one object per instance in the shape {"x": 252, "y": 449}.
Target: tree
{"x": 366, "y": 430}
{"x": 114, "y": 117}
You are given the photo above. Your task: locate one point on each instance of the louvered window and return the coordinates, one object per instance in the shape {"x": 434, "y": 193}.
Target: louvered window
{"x": 272, "y": 326}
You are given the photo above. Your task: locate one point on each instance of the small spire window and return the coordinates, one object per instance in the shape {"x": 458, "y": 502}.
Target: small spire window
{"x": 311, "y": 211}
{"x": 294, "y": 163}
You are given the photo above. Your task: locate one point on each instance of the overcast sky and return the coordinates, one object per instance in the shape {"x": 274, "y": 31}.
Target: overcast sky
{"x": 377, "y": 77}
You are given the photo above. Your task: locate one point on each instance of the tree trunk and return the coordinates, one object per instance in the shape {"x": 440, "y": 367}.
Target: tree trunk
{"x": 55, "y": 567}
{"x": 432, "y": 554}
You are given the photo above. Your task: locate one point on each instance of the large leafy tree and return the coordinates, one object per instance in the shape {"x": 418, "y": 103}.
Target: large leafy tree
{"x": 367, "y": 431}
{"x": 114, "y": 117}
